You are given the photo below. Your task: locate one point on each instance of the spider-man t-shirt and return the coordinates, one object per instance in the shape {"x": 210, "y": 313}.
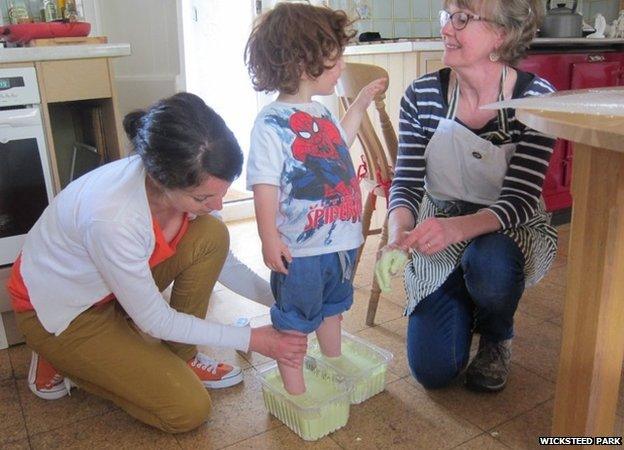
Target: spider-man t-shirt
{"x": 301, "y": 149}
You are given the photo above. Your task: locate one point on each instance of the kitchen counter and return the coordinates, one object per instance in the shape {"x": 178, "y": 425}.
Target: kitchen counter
{"x": 63, "y": 52}
{"x": 406, "y": 45}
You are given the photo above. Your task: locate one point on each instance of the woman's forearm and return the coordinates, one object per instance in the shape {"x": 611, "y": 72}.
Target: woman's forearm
{"x": 473, "y": 225}
{"x": 400, "y": 220}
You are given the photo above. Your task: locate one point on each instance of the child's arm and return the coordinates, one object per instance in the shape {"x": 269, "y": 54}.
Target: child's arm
{"x": 273, "y": 249}
{"x": 352, "y": 119}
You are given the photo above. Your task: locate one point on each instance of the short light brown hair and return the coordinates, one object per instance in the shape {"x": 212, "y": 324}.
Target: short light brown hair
{"x": 519, "y": 18}
{"x": 293, "y": 39}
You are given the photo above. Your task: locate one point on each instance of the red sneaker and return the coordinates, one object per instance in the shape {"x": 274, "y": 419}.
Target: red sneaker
{"x": 45, "y": 382}
{"x": 214, "y": 374}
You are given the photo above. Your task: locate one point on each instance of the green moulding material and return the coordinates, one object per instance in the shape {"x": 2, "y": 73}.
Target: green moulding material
{"x": 321, "y": 410}
{"x": 363, "y": 365}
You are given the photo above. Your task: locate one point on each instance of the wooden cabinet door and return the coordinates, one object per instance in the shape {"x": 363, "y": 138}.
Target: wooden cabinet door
{"x": 429, "y": 62}
{"x": 595, "y": 74}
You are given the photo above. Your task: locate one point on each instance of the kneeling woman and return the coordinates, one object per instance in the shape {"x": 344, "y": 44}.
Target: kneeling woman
{"x": 110, "y": 243}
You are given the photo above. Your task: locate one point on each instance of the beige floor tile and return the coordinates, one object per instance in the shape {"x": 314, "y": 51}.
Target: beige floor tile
{"x": 226, "y": 307}
{"x": 544, "y": 300}
{"x": 482, "y": 442}
{"x": 354, "y": 320}
{"x": 20, "y": 360}
{"x": 403, "y": 417}
{"x": 557, "y": 275}
{"x": 537, "y": 348}
{"x": 523, "y": 431}
{"x": 238, "y": 414}
{"x": 524, "y": 391}
{"x": 113, "y": 430}
{"x": 282, "y": 438}
{"x": 44, "y": 415}
{"x": 6, "y": 371}
{"x": 22, "y": 444}
{"x": 12, "y": 425}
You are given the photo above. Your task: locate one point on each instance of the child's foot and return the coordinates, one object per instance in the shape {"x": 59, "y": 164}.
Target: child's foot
{"x": 213, "y": 374}
{"x": 45, "y": 382}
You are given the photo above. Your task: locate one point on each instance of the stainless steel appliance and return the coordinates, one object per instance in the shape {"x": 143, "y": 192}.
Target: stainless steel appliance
{"x": 25, "y": 179}
{"x": 562, "y": 22}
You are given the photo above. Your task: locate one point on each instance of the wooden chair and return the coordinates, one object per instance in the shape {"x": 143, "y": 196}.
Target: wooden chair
{"x": 378, "y": 162}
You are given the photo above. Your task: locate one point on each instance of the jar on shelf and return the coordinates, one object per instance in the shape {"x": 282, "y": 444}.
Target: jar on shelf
{"x": 18, "y": 12}
{"x": 50, "y": 11}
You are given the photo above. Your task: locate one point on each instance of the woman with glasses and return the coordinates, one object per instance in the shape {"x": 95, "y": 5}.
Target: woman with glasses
{"x": 466, "y": 196}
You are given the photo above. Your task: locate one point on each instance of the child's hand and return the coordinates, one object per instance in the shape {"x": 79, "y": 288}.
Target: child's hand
{"x": 368, "y": 92}
{"x": 274, "y": 252}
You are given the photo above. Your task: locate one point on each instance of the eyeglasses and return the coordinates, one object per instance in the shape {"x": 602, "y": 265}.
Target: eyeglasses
{"x": 459, "y": 19}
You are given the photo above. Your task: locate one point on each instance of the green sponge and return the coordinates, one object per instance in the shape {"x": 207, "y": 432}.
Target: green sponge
{"x": 390, "y": 263}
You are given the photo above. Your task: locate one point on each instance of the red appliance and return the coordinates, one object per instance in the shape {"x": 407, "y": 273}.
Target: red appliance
{"x": 578, "y": 70}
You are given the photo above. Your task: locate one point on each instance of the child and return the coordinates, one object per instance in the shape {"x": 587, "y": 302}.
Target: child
{"x": 306, "y": 194}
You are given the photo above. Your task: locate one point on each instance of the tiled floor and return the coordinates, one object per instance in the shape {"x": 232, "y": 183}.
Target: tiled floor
{"x": 404, "y": 416}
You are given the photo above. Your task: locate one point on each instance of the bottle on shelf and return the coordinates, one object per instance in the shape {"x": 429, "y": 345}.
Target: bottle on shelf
{"x": 50, "y": 11}
{"x": 18, "y": 12}
{"x": 70, "y": 11}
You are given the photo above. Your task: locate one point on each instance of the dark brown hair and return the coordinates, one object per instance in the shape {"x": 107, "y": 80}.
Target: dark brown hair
{"x": 181, "y": 140}
{"x": 293, "y": 39}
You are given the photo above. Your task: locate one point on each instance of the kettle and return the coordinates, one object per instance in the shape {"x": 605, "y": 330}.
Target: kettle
{"x": 562, "y": 22}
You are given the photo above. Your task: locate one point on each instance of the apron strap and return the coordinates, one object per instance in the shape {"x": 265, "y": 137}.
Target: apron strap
{"x": 503, "y": 126}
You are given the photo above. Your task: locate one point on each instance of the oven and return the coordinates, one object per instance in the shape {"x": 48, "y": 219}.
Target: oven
{"x": 25, "y": 180}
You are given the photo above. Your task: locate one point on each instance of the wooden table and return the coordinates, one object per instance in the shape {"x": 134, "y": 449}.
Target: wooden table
{"x": 593, "y": 321}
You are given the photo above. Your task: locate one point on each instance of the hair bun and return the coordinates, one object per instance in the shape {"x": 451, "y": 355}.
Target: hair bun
{"x": 132, "y": 122}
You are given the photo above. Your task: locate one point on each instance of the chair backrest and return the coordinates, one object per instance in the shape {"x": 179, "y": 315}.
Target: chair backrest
{"x": 354, "y": 77}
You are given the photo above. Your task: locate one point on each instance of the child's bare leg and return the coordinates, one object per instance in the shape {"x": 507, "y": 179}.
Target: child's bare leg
{"x": 292, "y": 377}
{"x": 328, "y": 335}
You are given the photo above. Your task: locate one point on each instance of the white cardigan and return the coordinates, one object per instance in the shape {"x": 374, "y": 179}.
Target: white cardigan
{"x": 96, "y": 237}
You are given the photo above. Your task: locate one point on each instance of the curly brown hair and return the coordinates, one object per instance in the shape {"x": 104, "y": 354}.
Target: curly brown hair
{"x": 293, "y": 39}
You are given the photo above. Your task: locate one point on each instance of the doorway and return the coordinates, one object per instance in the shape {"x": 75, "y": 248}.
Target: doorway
{"x": 215, "y": 33}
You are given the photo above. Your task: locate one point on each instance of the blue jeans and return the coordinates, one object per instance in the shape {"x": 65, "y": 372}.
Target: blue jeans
{"x": 316, "y": 287}
{"x": 481, "y": 296}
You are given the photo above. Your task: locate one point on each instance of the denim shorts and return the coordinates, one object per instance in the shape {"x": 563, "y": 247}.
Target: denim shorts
{"x": 315, "y": 287}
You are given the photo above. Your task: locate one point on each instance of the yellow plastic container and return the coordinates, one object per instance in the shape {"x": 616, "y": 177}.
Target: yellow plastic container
{"x": 362, "y": 364}
{"x": 324, "y": 407}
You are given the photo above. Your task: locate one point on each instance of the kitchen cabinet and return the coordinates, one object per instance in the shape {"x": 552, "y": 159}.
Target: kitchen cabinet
{"x": 574, "y": 70}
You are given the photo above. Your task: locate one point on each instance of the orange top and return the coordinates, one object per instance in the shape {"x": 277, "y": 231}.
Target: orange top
{"x": 162, "y": 250}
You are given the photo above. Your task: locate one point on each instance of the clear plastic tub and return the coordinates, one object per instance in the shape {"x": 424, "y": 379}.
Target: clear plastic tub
{"x": 321, "y": 410}
{"x": 363, "y": 365}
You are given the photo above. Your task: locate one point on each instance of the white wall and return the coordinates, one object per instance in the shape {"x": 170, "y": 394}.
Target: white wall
{"x": 151, "y": 28}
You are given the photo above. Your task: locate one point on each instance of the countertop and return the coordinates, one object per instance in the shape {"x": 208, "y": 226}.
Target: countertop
{"x": 59, "y": 52}
{"x": 405, "y": 45}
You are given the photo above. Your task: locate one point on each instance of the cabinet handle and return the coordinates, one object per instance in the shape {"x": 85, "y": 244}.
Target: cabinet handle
{"x": 596, "y": 58}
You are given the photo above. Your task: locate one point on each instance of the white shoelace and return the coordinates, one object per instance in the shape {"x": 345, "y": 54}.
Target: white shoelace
{"x": 205, "y": 362}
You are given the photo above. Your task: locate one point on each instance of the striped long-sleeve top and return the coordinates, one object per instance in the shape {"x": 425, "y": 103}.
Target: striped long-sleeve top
{"x": 422, "y": 107}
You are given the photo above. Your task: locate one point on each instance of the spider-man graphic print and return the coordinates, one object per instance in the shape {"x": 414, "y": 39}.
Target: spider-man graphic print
{"x": 320, "y": 204}
{"x": 326, "y": 174}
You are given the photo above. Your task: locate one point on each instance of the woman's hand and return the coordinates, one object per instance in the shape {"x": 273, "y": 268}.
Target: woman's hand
{"x": 275, "y": 252}
{"x": 287, "y": 348}
{"x": 433, "y": 235}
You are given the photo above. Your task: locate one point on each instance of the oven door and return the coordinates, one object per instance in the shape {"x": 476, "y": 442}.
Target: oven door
{"x": 25, "y": 181}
